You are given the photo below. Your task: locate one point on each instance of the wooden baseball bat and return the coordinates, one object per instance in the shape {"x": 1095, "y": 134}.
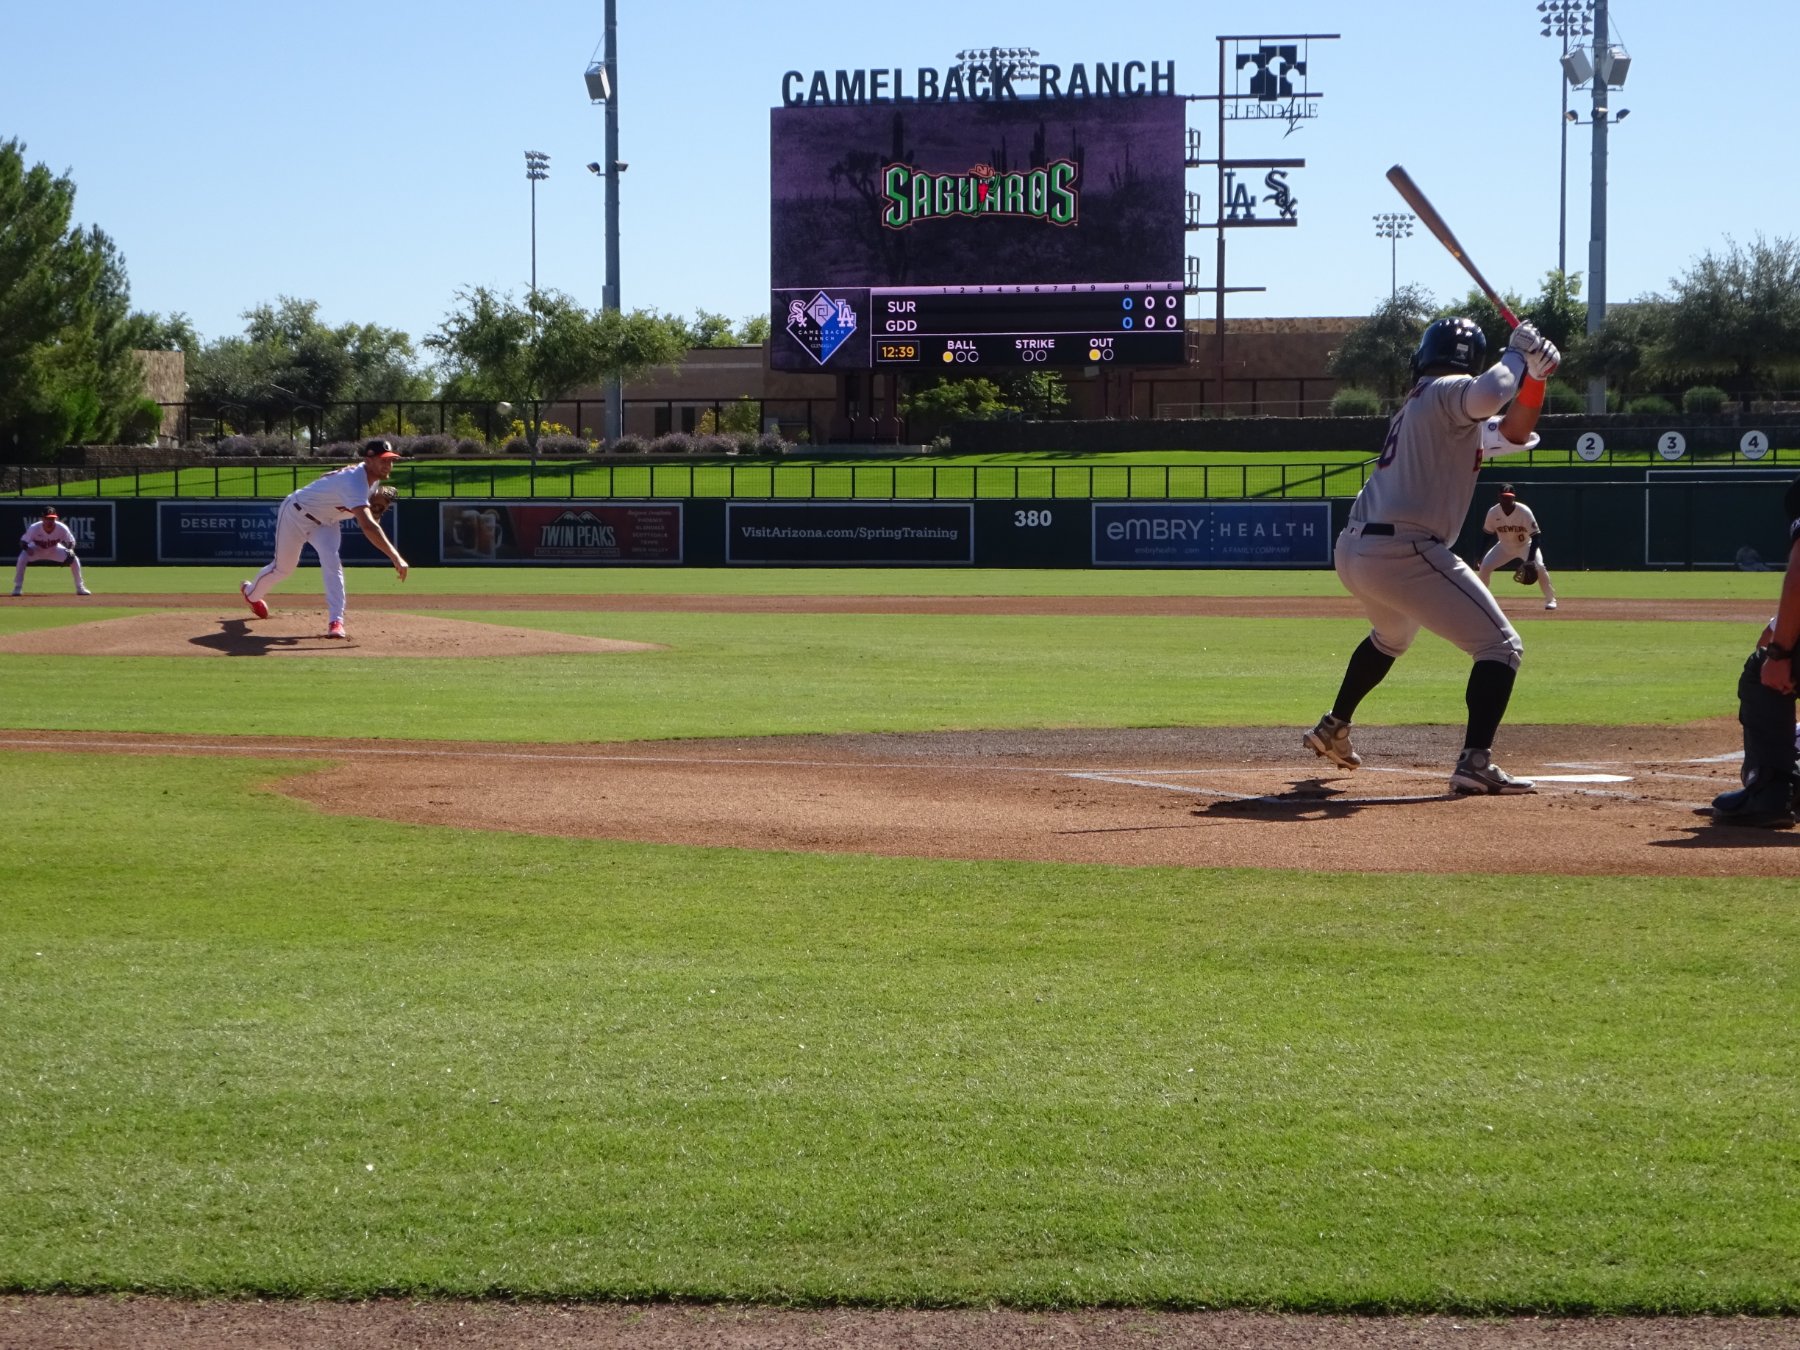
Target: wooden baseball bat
{"x": 1428, "y": 216}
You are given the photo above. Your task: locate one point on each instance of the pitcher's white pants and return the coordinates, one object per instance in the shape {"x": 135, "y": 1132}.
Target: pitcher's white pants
{"x": 1411, "y": 581}
{"x": 293, "y": 531}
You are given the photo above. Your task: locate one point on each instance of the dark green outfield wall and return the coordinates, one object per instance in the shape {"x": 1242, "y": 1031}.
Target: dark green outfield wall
{"x": 1607, "y": 518}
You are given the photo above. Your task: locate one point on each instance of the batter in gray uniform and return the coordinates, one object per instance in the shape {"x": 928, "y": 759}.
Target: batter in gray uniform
{"x": 1395, "y": 556}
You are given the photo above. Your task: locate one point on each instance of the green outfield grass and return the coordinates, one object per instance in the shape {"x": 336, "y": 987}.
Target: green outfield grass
{"x": 1190, "y": 474}
{"x": 1142, "y": 474}
{"x": 377, "y": 579}
{"x": 256, "y": 1050}
{"x": 252, "y": 1048}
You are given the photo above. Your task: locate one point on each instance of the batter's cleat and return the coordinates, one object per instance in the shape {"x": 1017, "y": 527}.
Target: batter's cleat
{"x": 257, "y": 607}
{"x": 1331, "y": 740}
{"x": 336, "y": 629}
{"x": 1549, "y": 604}
{"x": 84, "y": 591}
{"x": 1476, "y": 772}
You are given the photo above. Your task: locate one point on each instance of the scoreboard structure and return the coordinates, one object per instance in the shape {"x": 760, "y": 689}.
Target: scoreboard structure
{"x": 1006, "y": 233}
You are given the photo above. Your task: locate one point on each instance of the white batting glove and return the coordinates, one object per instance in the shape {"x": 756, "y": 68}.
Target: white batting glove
{"x": 1542, "y": 363}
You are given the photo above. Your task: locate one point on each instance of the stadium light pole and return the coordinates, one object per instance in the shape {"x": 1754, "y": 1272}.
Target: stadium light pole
{"x": 603, "y": 88}
{"x": 537, "y": 169}
{"x": 1611, "y": 64}
{"x": 1565, "y": 19}
{"x": 1395, "y": 226}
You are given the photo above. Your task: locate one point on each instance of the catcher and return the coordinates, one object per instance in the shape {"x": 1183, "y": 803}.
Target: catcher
{"x": 1517, "y": 539}
{"x": 1771, "y": 773}
{"x": 315, "y": 515}
{"x": 48, "y": 540}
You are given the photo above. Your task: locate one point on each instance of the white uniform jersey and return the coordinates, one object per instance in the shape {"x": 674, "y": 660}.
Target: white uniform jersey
{"x": 41, "y": 538}
{"x": 1515, "y": 529}
{"x": 331, "y": 497}
{"x": 1425, "y": 478}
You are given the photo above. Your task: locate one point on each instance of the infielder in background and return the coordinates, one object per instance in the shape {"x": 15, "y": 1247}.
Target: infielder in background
{"x": 314, "y": 515}
{"x": 1517, "y": 539}
{"x": 1766, "y": 706}
{"x": 1394, "y": 555}
{"x": 47, "y": 539}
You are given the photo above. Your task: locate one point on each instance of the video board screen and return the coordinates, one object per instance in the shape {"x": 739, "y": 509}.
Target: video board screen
{"x": 1006, "y": 232}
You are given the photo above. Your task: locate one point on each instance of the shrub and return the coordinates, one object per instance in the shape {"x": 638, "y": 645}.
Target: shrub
{"x": 142, "y": 423}
{"x": 1651, "y": 405}
{"x": 715, "y": 446}
{"x": 1559, "y": 398}
{"x": 262, "y": 446}
{"x": 1703, "y": 398}
{"x": 629, "y": 445}
{"x": 673, "y": 443}
{"x": 1355, "y": 403}
{"x": 561, "y": 445}
{"x": 770, "y": 445}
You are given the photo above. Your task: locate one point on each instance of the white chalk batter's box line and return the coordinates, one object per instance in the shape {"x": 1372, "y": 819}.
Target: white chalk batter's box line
{"x": 1576, "y": 785}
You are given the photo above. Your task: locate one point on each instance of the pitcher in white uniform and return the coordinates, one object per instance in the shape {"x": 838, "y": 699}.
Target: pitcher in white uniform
{"x": 1395, "y": 555}
{"x": 1517, "y": 539}
{"x": 314, "y": 515}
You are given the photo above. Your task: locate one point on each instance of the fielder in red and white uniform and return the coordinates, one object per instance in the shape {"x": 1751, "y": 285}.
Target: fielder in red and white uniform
{"x": 1516, "y": 540}
{"x": 48, "y": 540}
{"x": 315, "y": 515}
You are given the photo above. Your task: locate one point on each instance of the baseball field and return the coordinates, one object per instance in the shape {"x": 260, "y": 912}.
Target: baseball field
{"x": 828, "y": 940}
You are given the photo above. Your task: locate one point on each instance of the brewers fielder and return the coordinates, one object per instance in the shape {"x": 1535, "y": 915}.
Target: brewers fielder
{"x": 1517, "y": 539}
{"x": 1395, "y": 556}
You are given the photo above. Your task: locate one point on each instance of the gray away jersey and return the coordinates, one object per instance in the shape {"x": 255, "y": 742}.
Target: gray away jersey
{"x": 1425, "y": 478}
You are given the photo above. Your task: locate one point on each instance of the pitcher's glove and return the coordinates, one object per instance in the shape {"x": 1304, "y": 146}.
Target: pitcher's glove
{"x": 380, "y": 499}
{"x": 1527, "y": 574}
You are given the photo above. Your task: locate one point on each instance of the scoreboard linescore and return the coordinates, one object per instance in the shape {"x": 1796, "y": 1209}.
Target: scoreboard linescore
{"x": 1038, "y": 325}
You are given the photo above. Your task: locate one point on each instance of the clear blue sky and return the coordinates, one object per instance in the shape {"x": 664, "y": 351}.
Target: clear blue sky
{"x": 369, "y": 155}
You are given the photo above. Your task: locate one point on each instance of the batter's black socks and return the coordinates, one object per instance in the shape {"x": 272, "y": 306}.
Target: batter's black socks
{"x": 1368, "y": 667}
{"x": 1490, "y": 690}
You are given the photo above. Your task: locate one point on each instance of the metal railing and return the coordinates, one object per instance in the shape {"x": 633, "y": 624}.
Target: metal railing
{"x": 886, "y": 479}
{"x": 753, "y": 479}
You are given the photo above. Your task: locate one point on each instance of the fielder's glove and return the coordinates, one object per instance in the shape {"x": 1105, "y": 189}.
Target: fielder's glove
{"x": 1527, "y": 574}
{"x": 380, "y": 499}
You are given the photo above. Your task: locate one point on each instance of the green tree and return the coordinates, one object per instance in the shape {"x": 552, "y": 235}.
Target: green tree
{"x": 492, "y": 348}
{"x": 1735, "y": 317}
{"x": 1623, "y": 351}
{"x": 1558, "y": 311}
{"x": 67, "y": 373}
{"x": 709, "y": 330}
{"x": 287, "y": 363}
{"x": 1377, "y": 353}
{"x": 151, "y": 332}
{"x": 932, "y": 408}
{"x": 753, "y": 331}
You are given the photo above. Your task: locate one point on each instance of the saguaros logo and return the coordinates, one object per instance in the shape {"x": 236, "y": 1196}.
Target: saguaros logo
{"x": 1048, "y": 194}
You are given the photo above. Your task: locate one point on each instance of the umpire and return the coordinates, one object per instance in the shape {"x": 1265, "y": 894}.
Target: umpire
{"x": 1766, "y": 706}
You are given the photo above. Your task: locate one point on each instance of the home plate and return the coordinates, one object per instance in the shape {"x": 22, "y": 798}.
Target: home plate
{"x": 1581, "y": 778}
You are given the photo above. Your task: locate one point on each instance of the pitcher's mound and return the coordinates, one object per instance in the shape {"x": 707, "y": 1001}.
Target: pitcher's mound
{"x": 302, "y": 633}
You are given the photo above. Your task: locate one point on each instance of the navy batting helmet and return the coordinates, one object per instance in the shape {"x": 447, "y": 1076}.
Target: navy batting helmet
{"x": 1456, "y": 343}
